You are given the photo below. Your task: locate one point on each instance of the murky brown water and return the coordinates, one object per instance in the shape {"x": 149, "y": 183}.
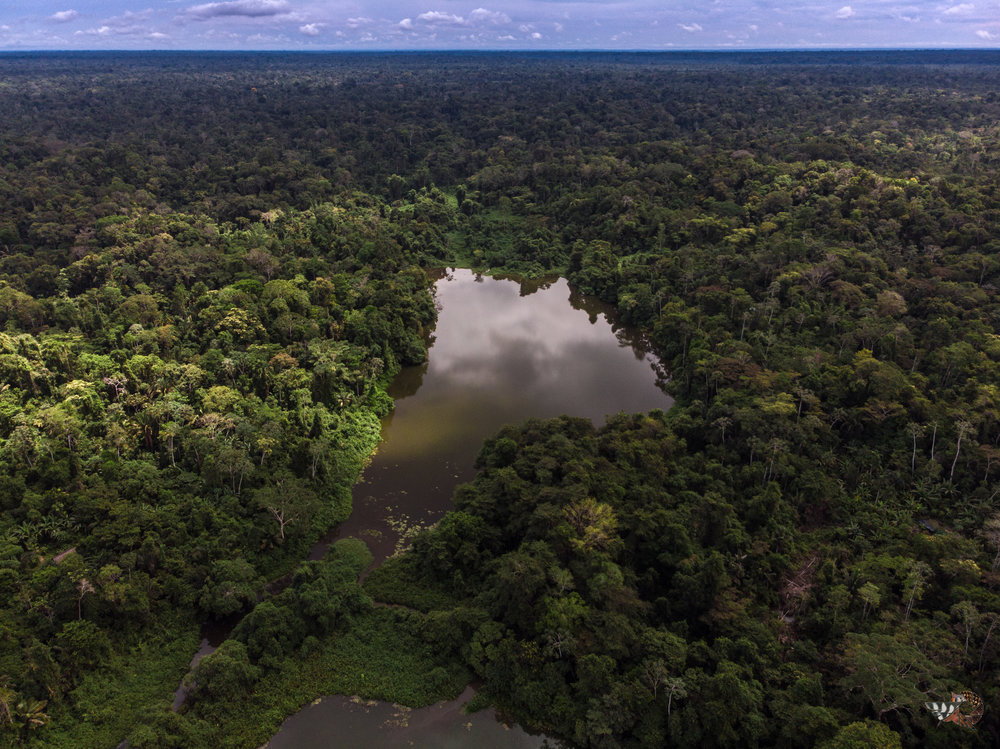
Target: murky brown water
{"x": 349, "y": 723}
{"x": 503, "y": 351}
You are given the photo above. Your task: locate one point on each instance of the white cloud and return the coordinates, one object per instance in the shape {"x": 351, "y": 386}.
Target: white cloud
{"x": 988, "y": 36}
{"x": 524, "y": 28}
{"x": 246, "y": 8}
{"x": 436, "y": 16}
{"x": 478, "y": 17}
{"x": 127, "y": 24}
{"x": 101, "y": 31}
{"x": 558, "y": 28}
{"x": 846, "y": 12}
{"x": 311, "y": 29}
{"x": 690, "y": 26}
{"x": 268, "y": 38}
{"x": 359, "y": 21}
{"x": 481, "y": 15}
{"x": 536, "y": 35}
{"x": 959, "y": 10}
{"x": 63, "y": 16}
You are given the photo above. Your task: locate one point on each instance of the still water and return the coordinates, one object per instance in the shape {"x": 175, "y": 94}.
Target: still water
{"x": 502, "y": 351}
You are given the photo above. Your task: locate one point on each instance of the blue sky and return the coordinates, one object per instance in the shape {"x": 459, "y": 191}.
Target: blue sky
{"x": 495, "y": 24}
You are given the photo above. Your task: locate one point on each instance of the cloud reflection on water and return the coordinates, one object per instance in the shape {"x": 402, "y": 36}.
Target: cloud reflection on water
{"x": 500, "y": 356}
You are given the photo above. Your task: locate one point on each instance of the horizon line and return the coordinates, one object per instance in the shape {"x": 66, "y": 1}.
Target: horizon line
{"x": 602, "y": 50}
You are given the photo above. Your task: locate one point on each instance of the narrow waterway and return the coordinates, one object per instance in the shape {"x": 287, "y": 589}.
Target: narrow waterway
{"x": 502, "y": 351}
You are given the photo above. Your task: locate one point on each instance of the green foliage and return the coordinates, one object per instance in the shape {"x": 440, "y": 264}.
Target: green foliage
{"x": 398, "y": 580}
{"x": 197, "y": 331}
{"x": 110, "y": 700}
{"x": 864, "y": 735}
{"x": 223, "y": 674}
{"x": 630, "y": 599}
{"x": 230, "y": 588}
{"x": 383, "y": 655}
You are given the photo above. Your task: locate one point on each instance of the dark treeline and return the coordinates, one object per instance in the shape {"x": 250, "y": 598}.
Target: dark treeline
{"x": 211, "y": 264}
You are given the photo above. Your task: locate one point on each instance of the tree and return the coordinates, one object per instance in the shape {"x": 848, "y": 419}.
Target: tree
{"x": 724, "y": 709}
{"x": 593, "y": 525}
{"x": 674, "y": 686}
{"x": 82, "y": 646}
{"x": 222, "y": 675}
{"x": 864, "y": 735}
{"x": 30, "y": 713}
{"x": 170, "y": 430}
{"x": 916, "y": 580}
{"x": 871, "y": 595}
{"x": 963, "y": 428}
{"x": 664, "y": 656}
{"x": 994, "y": 620}
{"x": 888, "y": 672}
{"x": 234, "y": 461}
{"x": 968, "y": 616}
{"x": 7, "y": 702}
{"x": 290, "y": 504}
{"x": 991, "y": 532}
{"x": 231, "y": 586}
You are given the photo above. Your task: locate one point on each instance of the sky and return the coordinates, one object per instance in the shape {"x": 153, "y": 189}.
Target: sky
{"x": 495, "y": 24}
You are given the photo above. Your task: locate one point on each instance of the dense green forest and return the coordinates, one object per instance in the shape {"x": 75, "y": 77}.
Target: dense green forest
{"x": 211, "y": 265}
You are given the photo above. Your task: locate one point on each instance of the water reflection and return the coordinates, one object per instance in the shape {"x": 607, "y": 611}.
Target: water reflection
{"x": 503, "y": 350}
{"x": 350, "y": 723}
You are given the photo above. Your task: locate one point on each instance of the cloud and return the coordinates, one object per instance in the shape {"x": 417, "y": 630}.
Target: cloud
{"x": 481, "y": 15}
{"x": 959, "y": 10}
{"x": 846, "y": 12}
{"x": 437, "y": 17}
{"x": 536, "y": 35}
{"x": 359, "y": 21}
{"x": 559, "y": 27}
{"x": 158, "y": 35}
{"x": 127, "y": 24}
{"x": 101, "y": 31}
{"x": 988, "y": 36}
{"x": 63, "y": 16}
{"x": 690, "y": 26}
{"x": 245, "y": 8}
{"x": 259, "y": 38}
{"x": 311, "y": 29}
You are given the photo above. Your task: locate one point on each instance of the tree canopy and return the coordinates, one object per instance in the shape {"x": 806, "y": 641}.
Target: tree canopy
{"x": 212, "y": 265}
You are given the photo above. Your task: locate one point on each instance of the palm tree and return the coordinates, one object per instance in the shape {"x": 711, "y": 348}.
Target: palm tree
{"x": 32, "y": 714}
{"x": 7, "y": 697}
